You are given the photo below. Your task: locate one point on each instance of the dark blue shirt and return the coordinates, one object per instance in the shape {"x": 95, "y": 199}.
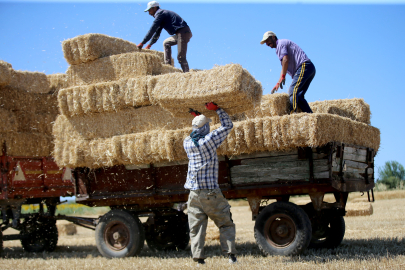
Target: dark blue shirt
{"x": 166, "y": 19}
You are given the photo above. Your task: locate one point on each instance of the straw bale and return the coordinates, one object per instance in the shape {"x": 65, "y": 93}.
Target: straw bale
{"x": 230, "y": 86}
{"x": 89, "y": 47}
{"x": 126, "y": 121}
{"x": 355, "y": 108}
{"x": 5, "y": 73}
{"x": 166, "y": 69}
{"x": 27, "y": 144}
{"x": 113, "y": 68}
{"x": 32, "y": 82}
{"x": 57, "y": 81}
{"x": 359, "y": 209}
{"x": 35, "y": 122}
{"x": 8, "y": 121}
{"x": 19, "y": 100}
{"x": 271, "y": 105}
{"x": 105, "y": 97}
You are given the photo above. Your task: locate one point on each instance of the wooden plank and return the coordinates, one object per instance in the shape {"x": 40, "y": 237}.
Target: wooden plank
{"x": 353, "y": 150}
{"x": 274, "y": 178}
{"x": 263, "y": 154}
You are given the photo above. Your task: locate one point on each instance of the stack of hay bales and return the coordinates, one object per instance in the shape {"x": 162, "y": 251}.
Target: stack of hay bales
{"x": 28, "y": 108}
{"x": 129, "y": 108}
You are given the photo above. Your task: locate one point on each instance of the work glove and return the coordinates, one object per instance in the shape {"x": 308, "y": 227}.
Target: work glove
{"x": 280, "y": 84}
{"x": 140, "y": 45}
{"x": 148, "y": 47}
{"x": 211, "y": 106}
{"x": 194, "y": 112}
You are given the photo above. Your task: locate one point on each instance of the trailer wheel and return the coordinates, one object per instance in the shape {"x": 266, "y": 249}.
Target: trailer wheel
{"x": 39, "y": 234}
{"x": 168, "y": 232}
{"x": 282, "y": 228}
{"x": 119, "y": 234}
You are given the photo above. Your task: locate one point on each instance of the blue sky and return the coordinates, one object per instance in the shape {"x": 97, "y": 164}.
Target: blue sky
{"x": 357, "y": 48}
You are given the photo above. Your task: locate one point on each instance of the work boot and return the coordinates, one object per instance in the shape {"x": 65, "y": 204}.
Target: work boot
{"x": 200, "y": 262}
{"x": 232, "y": 258}
{"x": 184, "y": 67}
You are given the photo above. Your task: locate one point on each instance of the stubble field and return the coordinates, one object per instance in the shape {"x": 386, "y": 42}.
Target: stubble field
{"x": 371, "y": 242}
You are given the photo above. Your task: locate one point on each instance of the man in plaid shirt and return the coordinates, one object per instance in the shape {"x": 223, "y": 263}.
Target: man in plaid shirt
{"x": 206, "y": 199}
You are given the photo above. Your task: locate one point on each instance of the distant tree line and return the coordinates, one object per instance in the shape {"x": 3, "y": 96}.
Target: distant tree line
{"x": 392, "y": 175}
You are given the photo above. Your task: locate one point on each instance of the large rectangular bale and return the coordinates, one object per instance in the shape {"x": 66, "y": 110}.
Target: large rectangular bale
{"x": 57, "y": 81}
{"x": 35, "y": 122}
{"x": 27, "y": 144}
{"x": 355, "y": 108}
{"x": 32, "y": 82}
{"x": 5, "y": 73}
{"x": 166, "y": 69}
{"x": 105, "y": 97}
{"x": 8, "y": 121}
{"x": 89, "y": 47}
{"x": 114, "y": 68}
{"x": 230, "y": 86}
{"x": 19, "y": 100}
{"x": 271, "y": 105}
{"x": 126, "y": 121}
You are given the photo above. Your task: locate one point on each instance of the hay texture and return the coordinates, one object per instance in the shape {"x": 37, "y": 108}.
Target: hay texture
{"x": 127, "y": 121}
{"x": 105, "y": 97}
{"x": 166, "y": 69}
{"x": 27, "y": 144}
{"x": 57, "y": 81}
{"x": 8, "y": 121}
{"x": 5, "y": 73}
{"x": 271, "y": 105}
{"x": 32, "y": 82}
{"x": 230, "y": 86}
{"x": 114, "y": 68}
{"x": 359, "y": 209}
{"x": 280, "y": 133}
{"x": 66, "y": 229}
{"x": 355, "y": 109}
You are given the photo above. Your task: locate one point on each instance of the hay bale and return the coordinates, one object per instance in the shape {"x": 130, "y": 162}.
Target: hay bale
{"x": 8, "y": 121}
{"x": 32, "y": 82}
{"x": 37, "y": 123}
{"x": 166, "y": 69}
{"x": 271, "y": 105}
{"x": 57, "y": 81}
{"x": 5, "y": 73}
{"x": 105, "y": 97}
{"x": 67, "y": 229}
{"x": 19, "y": 100}
{"x": 27, "y": 144}
{"x": 230, "y": 86}
{"x": 114, "y": 68}
{"x": 279, "y": 133}
{"x": 126, "y": 121}
{"x": 359, "y": 209}
{"x": 355, "y": 108}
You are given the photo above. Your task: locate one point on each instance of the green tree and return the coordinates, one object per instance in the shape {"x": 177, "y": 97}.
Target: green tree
{"x": 391, "y": 174}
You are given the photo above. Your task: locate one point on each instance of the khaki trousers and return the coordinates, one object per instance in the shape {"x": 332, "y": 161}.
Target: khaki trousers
{"x": 181, "y": 38}
{"x": 204, "y": 204}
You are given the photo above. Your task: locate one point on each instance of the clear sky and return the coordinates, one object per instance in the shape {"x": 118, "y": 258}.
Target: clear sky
{"x": 356, "y": 46}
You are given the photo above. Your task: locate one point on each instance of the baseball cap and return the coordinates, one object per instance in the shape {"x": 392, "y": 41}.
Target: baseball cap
{"x": 200, "y": 121}
{"x": 152, "y": 4}
{"x": 266, "y": 36}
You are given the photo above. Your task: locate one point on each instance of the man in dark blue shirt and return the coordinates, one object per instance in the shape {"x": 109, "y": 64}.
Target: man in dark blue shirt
{"x": 175, "y": 26}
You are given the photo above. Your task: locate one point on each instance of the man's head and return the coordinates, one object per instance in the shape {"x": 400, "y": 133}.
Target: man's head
{"x": 200, "y": 121}
{"x": 270, "y": 39}
{"x": 152, "y": 7}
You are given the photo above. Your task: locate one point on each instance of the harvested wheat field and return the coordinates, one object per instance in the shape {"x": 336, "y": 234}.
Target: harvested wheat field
{"x": 371, "y": 242}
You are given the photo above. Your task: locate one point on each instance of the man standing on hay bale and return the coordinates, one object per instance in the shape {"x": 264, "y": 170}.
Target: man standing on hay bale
{"x": 205, "y": 198}
{"x": 175, "y": 26}
{"x": 296, "y": 63}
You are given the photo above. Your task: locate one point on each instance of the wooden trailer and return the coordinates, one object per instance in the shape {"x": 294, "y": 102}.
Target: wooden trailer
{"x": 281, "y": 228}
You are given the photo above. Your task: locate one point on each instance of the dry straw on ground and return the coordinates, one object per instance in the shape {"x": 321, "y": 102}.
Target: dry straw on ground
{"x": 113, "y": 68}
{"x": 5, "y": 73}
{"x": 89, "y": 47}
{"x": 359, "y": 209}
{"x": 355, "y": 108}
{"x": 57, "y": 81}
{"x": 230, "y": 86}
{"x": 279, "y": 133}
{"x": 105, "y": 97}
{"x": 66, "y": 229}
{"x": 126, "y": 121}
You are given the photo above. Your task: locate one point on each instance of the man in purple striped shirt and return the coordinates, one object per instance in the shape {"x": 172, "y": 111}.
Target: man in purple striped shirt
{"x": 296, "y": 63}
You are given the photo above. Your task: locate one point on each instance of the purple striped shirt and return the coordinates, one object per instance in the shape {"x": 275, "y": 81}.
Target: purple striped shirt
{"x": 295, "y": 54}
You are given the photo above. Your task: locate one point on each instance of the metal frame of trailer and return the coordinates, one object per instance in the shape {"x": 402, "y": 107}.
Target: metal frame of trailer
{"x": 282, "y": 228}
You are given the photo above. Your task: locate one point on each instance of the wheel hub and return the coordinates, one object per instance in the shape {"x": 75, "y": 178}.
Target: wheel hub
{"x": 117, "y": 235}
{"x": 280, "y": 230}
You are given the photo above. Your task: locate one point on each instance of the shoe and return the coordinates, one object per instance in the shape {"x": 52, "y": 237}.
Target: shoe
{"x": 200, "y": 262}
{"x": 232, "y": 258}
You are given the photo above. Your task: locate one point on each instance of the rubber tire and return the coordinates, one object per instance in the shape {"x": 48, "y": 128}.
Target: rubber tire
{"x": 43, "y": 235}
{"x": 337, "y": 228}
{"x": 133, "y": 225}
{"x": 297, "y": 216}
{"x": 175, "y": 234}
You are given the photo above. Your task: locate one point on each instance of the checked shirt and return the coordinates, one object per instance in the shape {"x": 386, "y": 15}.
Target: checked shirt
{"x": 203, "y": 160}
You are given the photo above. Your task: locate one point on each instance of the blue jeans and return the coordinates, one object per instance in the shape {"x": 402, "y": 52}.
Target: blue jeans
{"x": 299, "y": 86}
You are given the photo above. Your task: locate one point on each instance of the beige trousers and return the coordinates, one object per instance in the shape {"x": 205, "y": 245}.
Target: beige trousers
{"x": 204, "y": 204}
{"x": 181, "y": 39}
